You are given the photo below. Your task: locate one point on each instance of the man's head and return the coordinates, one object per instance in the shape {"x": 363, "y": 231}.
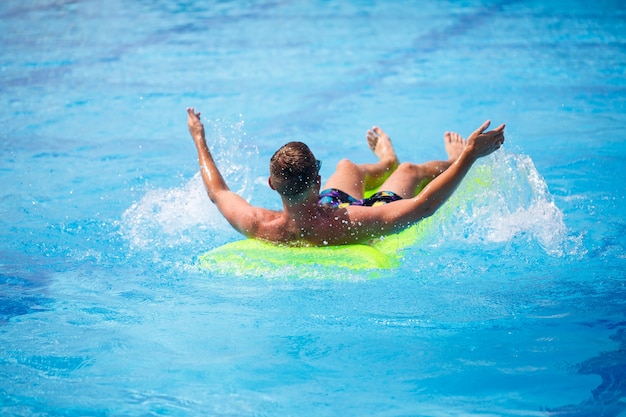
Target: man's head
{"x": 293, "y": 170}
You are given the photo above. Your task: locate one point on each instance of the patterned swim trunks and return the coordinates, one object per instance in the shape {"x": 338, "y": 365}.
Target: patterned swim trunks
{"x": 336, "y": 198}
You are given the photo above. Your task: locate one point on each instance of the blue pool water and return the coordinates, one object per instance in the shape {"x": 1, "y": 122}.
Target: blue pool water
{"x": 511, "y": 303}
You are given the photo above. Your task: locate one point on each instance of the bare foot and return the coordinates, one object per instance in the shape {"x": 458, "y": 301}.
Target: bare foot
{"x": 380, "y": 143}
{"x": 454, "y": 145}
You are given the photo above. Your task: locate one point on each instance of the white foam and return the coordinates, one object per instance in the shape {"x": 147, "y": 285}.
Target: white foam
{"x": 503, "y": 198}
{"x": 171, "y": 215}
{"x": 183, "y": 215}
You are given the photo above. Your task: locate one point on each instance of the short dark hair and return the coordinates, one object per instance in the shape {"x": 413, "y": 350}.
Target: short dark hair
{"x": 293, "y": 169}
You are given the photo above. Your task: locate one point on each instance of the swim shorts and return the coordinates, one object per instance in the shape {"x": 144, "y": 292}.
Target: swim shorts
{"x": 336, "y": 198}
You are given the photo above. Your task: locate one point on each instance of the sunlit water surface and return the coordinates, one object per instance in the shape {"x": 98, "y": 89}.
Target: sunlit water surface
{"x": 511, "y": 302}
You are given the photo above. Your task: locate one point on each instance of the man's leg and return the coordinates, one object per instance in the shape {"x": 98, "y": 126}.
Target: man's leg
{"x": 354, "y": 179}
{"x": 409, "y": 178}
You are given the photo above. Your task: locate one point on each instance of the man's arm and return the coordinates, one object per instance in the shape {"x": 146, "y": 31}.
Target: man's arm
{"x": 399, "y": 215}
{"x": 479, "y": 144}
{"x": 239, "y": 213}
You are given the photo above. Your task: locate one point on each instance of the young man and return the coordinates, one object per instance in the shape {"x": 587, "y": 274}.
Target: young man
{"x": 340, "y": 215}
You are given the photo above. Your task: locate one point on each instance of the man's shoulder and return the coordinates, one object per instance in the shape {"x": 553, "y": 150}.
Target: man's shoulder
{"x": 269, "y": 219}
{"x": 267, "y": 214}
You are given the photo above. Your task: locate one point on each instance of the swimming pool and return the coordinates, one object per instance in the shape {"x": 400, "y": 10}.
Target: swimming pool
{"x": 511, "y": 303}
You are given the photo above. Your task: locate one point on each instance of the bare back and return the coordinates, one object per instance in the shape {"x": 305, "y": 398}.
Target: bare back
{"x": 326, "y": 225}
{"x": 304, "y": 221}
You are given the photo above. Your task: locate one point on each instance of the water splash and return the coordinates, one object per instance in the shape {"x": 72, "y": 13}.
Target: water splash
{"x": 170, "y": 218}
{"x": 170, "y": 215}
{"x": 503, "y": 198}
{"x": 234, "y": 153}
